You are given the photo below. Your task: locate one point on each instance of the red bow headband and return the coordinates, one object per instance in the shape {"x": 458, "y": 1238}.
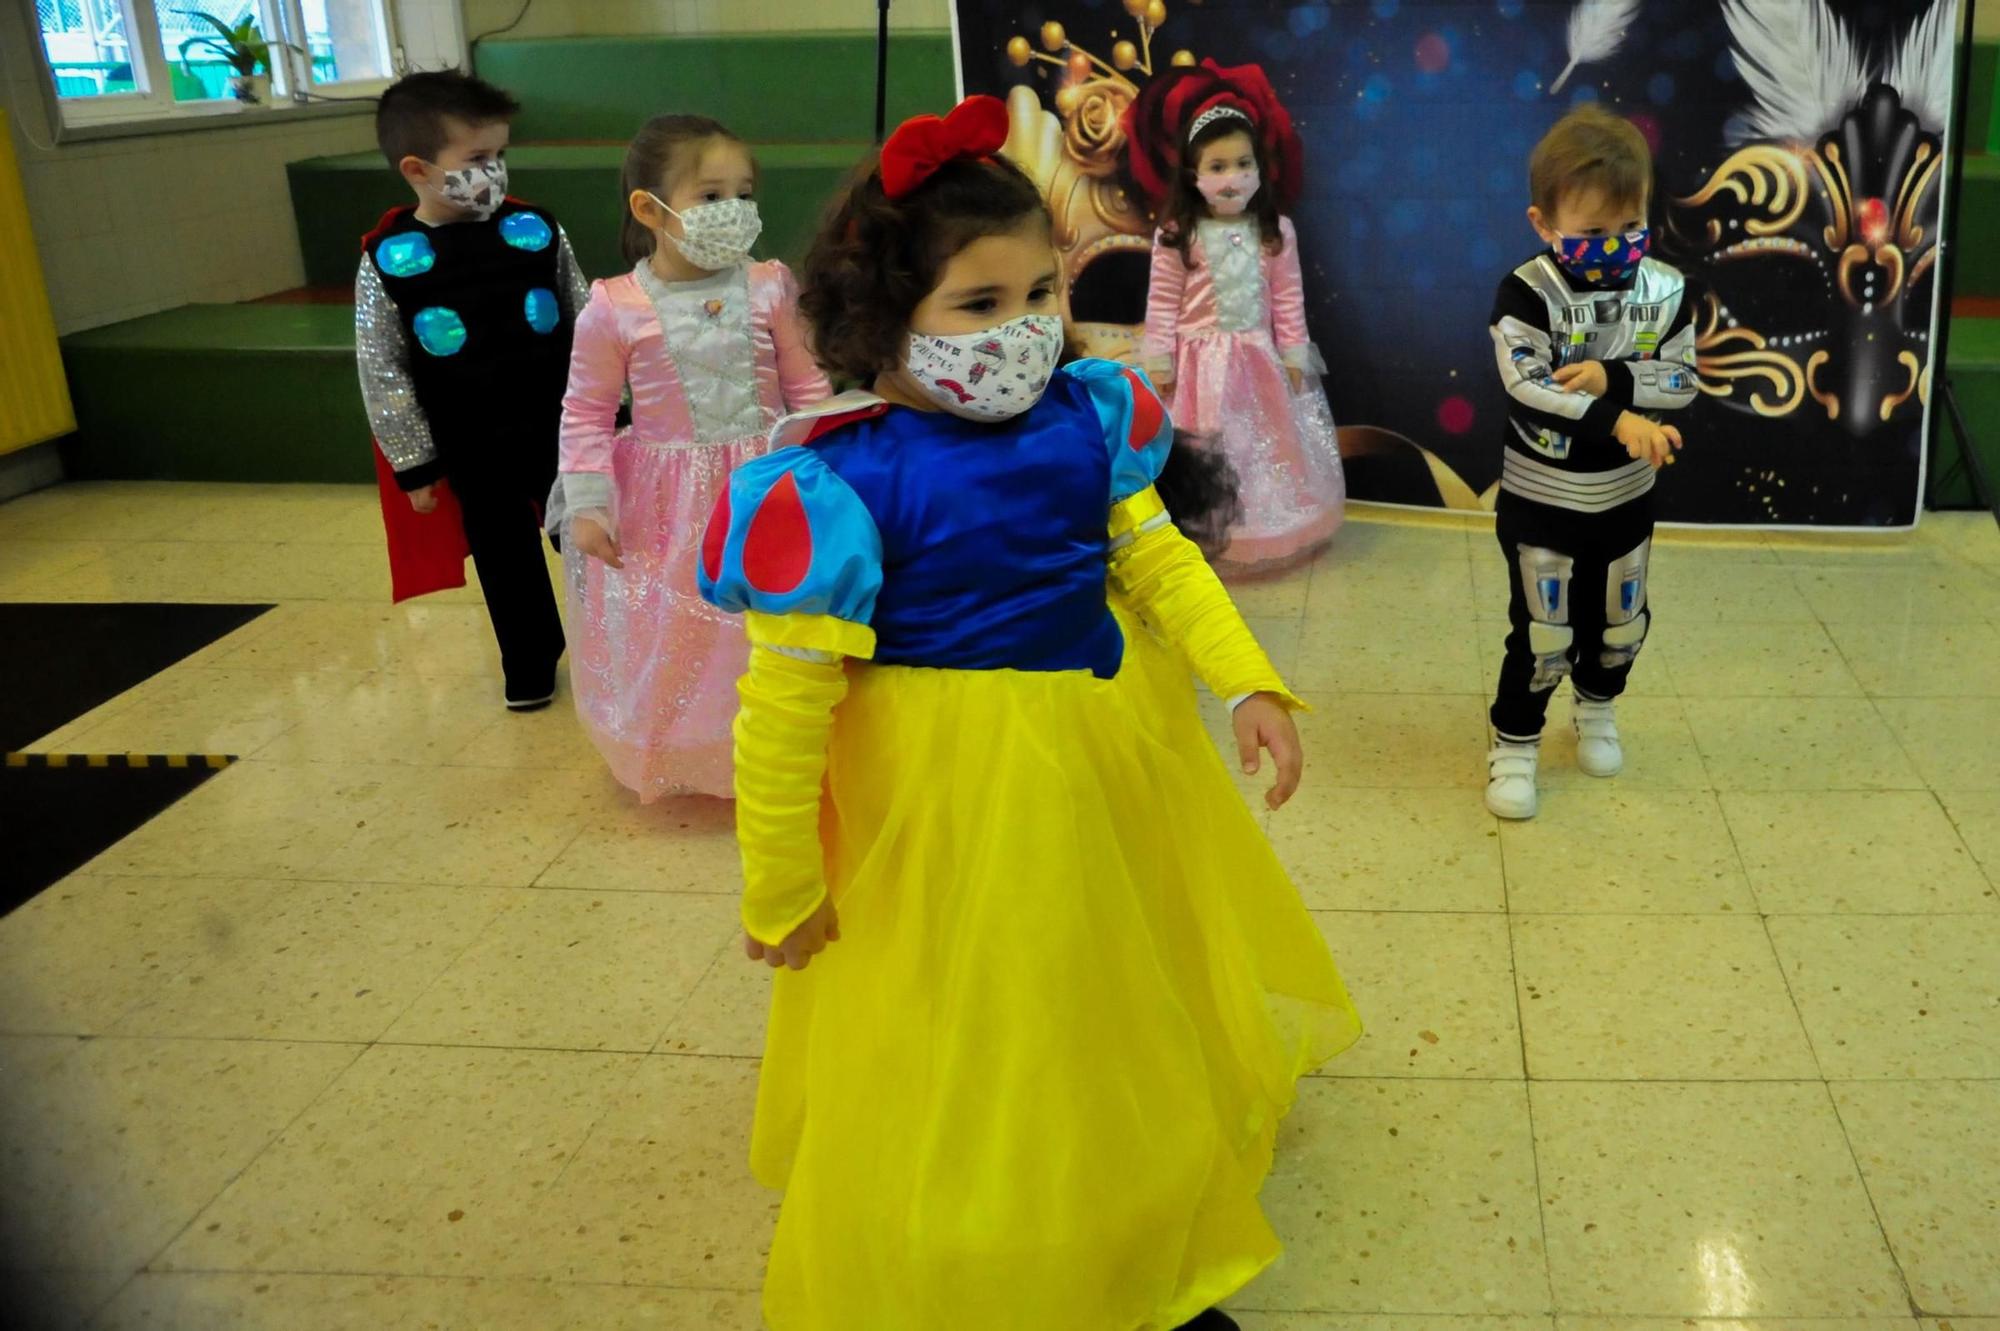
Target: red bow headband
{"x": 975, "y": 128}
{"x": 1174, "y": 106}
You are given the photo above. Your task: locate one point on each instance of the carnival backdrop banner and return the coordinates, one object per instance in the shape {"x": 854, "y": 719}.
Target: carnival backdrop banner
{"x": 1799, "y": 149}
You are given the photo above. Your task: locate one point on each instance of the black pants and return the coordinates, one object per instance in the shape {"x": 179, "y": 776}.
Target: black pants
{"x": 502, "y": 487}
{"x": 1578, "y": 604}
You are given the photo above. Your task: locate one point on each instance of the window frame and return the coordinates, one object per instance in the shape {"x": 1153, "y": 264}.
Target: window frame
{"x": 152, "y": 108}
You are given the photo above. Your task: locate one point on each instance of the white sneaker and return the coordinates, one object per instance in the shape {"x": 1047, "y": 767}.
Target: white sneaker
{"x": 1598, "y": 751}
{"x": 1510, "y": 784}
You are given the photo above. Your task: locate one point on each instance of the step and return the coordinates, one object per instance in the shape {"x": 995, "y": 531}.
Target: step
{"x": 767, "y": 87}
{"x": 219, "y": 393}
{"x": 337, "y": 200}
{"x": 1982, "y": 107}
{"x": 1974, "y": 358}
{"x": 1978, "y": 264}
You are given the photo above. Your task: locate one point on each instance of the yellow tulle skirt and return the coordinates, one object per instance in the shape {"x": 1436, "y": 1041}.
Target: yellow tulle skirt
{"x": 1035, "y": 1086}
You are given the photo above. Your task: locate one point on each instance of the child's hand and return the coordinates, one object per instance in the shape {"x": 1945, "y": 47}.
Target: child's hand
{"x": 590, "y": 537}
{"x": 1646, "y": 441}
{"x": 1586, "y": 376}
{"x": 1263, "y": 723}
{"x": 805, "y": 942}
{"x": 1298, "y": 378}
{"x": 424, "y": 498}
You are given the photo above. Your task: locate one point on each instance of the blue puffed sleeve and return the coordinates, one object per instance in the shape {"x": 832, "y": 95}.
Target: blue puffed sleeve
{"x": 1137, "y": 430}
{"x": 790, "y": 537}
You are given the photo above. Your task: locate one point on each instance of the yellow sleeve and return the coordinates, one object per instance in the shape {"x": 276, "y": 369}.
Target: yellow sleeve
{"x": 789, "y": 696}
{"x": 1163, "y": 574}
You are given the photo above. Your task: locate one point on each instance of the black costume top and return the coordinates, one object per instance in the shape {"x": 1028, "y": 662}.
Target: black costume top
{"x": 1560, "y": 449}
{"x": 463, "y": 332}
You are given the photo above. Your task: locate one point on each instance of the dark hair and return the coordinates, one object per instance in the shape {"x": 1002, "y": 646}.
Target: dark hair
{"x": 410, "y": 115}
{"x": 1186, "y": 207}
{"x": 876, "y": 258}
{"x": 1590, "y": 149}
{"x": 1198, "y": 485}
{"x": 664, "y": 147}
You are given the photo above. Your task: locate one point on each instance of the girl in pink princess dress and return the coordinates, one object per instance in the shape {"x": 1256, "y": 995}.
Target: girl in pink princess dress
{"x": 710, "y": 347}
{"x": 1225, "y": 311}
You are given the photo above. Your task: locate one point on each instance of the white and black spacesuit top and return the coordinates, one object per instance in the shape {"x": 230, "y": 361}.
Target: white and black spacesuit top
{"x": 1560, "y": 449}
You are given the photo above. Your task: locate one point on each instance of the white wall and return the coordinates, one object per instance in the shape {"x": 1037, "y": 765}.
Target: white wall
{"x": 131, "y": 226}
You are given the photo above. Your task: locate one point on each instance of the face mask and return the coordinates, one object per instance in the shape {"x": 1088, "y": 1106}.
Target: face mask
{"x": 1241, "y": 184}
{"x": 716, "y": 235}
{"x": 479, "y": 189}
{"x": 1602, "y": 258}
{"x": 990, "y": 375}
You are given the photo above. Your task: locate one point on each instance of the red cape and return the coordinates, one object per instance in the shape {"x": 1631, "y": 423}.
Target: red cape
{"x": 427, "y": 551}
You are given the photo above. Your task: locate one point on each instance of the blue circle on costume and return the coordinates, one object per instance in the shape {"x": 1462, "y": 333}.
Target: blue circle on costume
{"x": 542, "y": 311}
{"x": 525, "y": 231}
{"x": 1527, "y": 85}
{"x": 1509, "y": 8}
{"x": 1660, "y": 88}
{"x": 439, "y": 331}
{"x": 406, "y": 255}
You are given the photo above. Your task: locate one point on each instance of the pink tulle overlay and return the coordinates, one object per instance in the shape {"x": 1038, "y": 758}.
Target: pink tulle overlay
{"x": 1232, "y": 388}
{"x": 654, "y": 667}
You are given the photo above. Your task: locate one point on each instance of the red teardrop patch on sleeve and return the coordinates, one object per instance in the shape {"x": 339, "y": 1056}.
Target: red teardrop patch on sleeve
{"x": 716, "y": 537}
{"x": 778, "y": 552}
{"x": 1147, "y": 413}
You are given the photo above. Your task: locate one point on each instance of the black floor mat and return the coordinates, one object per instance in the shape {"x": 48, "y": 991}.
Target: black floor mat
{"x": 62, "y": 660}
{"x": 65, "y": 816}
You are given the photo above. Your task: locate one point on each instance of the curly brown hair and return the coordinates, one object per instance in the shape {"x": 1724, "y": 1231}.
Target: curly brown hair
{"x": 876, "y": 258}
{"x": 1186, "y": 207}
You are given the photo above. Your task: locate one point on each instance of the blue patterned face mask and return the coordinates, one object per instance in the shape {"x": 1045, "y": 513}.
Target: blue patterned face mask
{"x": 1602, "y": 258}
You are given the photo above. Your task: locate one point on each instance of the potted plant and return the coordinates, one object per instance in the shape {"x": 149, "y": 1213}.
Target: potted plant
{"x": 243, "y": 49}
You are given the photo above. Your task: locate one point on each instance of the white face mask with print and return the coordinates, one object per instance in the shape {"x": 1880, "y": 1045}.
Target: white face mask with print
{"x": 989, "y": 375}
{"x": 479, "y": 189}
{"x": 715, "y": 235}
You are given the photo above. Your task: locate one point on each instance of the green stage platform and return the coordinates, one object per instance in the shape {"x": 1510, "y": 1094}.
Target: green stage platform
{"x": 768, "y": 88}
{"x": 219, "y": 393}
{"x": 337, "y": 200}
{"x": 1975, "y": 379}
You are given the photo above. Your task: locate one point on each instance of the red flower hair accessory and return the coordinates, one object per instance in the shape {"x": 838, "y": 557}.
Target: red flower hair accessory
{"x": 975, "y": 128}
{"x": 1174, "y": 105}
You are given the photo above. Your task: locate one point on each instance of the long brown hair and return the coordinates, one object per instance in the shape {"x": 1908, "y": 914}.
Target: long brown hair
{"x": 1181, "y": 218}
{"x": 664, "y": 147}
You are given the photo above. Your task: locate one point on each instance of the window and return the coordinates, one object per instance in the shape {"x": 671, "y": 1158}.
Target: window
{"x": 112, "y": 60}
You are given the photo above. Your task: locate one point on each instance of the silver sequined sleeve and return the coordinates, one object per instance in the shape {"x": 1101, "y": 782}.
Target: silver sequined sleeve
{"x": 574, "y": 283}
{"x": 382, "y": 349}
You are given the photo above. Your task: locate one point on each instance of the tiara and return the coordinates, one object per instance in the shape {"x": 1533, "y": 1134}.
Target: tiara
{"x": 1215, "y": 113}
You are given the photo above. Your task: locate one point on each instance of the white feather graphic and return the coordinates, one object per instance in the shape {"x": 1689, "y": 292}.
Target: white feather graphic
{"x": 1597, "y": 29}
{"x": 1801, "y": 64}
{"x": 1921, "y": 68}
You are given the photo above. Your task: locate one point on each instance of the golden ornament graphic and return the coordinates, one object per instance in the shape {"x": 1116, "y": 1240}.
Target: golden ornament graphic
{"x": 1073, "y": 156}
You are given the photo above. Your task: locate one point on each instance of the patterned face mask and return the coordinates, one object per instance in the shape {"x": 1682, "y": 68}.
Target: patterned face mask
{"x": 1602, "y": 258}
{"x": 479, "y": 189}
{"x": 1228, "y": 194}
{"x": 990, "y": 375}
{"x": 716, "y": 235}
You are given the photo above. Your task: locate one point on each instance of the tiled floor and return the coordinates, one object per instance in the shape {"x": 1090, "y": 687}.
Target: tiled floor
{"x": 411, "y": 1019}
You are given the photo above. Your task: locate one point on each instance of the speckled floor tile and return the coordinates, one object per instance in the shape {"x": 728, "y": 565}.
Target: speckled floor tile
{"x": 1633, "y": 850}
{"x": 1707, "y": 1200}
{"x": 1598, "y": 1004}
{"x": 1351, "y": 849}
{"x": 1874, "y": 852}
{"x": 1436, "y": 994}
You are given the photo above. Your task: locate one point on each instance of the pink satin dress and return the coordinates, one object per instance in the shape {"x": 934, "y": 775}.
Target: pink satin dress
{"x": 1226, "y": 326}
{"x": 710, "y": 365}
